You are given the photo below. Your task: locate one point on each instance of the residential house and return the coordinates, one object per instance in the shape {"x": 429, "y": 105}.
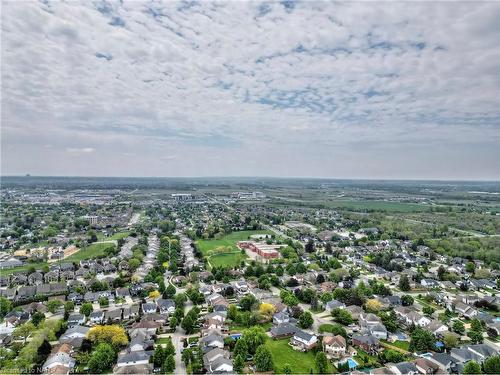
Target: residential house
{"x": 283, "y": 330}
{"x": 334, "y": 346}
{"x": 60, "y": 361}
{"x": 303, "y": 340}
{"x": 217, "y": 361}
{"x": 368, "y": 343}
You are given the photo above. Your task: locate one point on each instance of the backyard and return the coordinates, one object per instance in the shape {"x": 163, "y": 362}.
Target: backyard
{"x": 300, "y": 362}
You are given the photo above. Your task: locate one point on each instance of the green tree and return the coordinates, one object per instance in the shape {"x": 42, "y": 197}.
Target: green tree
{"x": 102, "y": 358}
{"x": 86, "y": 309}
{"x": 404, "y": 283}
{"x": 263, "y": 359}
{"x": 254, "y": 337}
{"x": 407, "y": 300}
{"x": 173, "y": 322}
{"x": 428, "y": 310}
{"x": 5, "y": 306}
{"x": 342, "y": 316}
{"x": 321, "y": 363}
{"x": 287, "y": 369}
{"x": 168, "y": 365}
{"x": 306, "y": 320}
{"x": 188, "y": 324}
{"x": 158, "y": 356}
{"x": 450, "y": 340}
{"x": 37, "y": 318}
{"x": 238, "y": 363}
{"x": 458, "y": 327}
{"x": 241, "y": 348}
{"x": 492, "y": 365}
{"x": 23, "y": 331}
{"x": 472, "y": 367}
{"x": 421, "y": 340}
{"x": 54, "y": 305}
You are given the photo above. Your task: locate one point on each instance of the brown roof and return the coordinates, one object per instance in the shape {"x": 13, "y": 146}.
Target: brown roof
{"x": 331, "y": 340}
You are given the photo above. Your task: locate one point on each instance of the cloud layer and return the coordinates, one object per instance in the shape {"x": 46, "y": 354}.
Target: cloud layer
{"x": 361, "y": 89}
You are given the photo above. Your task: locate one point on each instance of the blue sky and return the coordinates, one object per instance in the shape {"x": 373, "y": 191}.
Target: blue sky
{"x": 316, "y": 89}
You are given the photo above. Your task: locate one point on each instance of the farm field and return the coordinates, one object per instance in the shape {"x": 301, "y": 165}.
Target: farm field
{"x": 231, "y": 256}
{"x": 300, "y": 362}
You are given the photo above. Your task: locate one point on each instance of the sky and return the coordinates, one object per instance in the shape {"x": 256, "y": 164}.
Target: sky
{"x": 385, "y": 90}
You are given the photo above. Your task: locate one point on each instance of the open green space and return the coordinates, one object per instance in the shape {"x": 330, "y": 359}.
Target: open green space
{"x": 228, "y": 240}
{"x": 398, "y": 344}
{"x": 223, "y": 252}
{"x": 92, "y": 251}
{"x": 300, "y": 362}
{"x": 115, "y": 237}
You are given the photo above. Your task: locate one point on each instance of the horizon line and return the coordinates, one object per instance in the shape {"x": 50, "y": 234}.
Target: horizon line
{"x": 267, "y": 177}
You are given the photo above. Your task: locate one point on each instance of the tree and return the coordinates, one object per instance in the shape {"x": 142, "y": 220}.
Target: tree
{"x": 241, "y": 348}
{"x": 306, "y": 320}
{"x": 159, "y": 356}
{"x": 472, "y": 367}
{"x": 247, "y": 302}
{"x": 309, "y": 247}
{"x": 287, "y": 369}
{"x": 168, "y": 365}
{"x": 173, "y": 323}
{"x": 263, "y": 359}
{"x": 188, "y": 324}
{"x": 238, "y": 363}
{"x": 470, "y": 267}
{"x": 321, "y": 363}
{"x": 393, "y": 356}
{"x": 342, "y": 316}
{"x": 458, "y": 327}
{"x": 86, "y": 309}
{"x": 254, "y": 337}
{"x": 428, "y": 310}
{"x": 37, "y": 318}
{"x": 69, "y": 306}
{"x": 111, "y": 334}
{"x": 102, "y": 358}
{"x": 492, "y": 365}
{"x": 407, "y": 300}
{"x": 54, "y": 305}
{"x": 476, "y": 331}
{"x": 170, "y": 348}
{"x": 267, "y": 310}
{"x": 44, "y": 349}
{"x": 24, "y": 330}
{"x": 170, "y": 291}
{"x": 421, "y": 340}
{"x": 373, "y": 305}
{"x": 154, "y": 294}
{"x": 404, "y": 283}
{"x": 5, "y": 306}
{"x": 450, "y": 340}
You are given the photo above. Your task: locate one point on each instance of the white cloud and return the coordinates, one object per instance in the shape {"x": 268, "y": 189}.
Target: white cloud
{"x": 351, "y": 82}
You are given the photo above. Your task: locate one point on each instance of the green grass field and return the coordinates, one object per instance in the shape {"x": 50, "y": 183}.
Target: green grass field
{"x": 91, "y": 251}
{"x": 230, "y": 258}
{"x": 114, "y": 237}
{"x": 229, "y": 240}
{"x": 300, "y": 362}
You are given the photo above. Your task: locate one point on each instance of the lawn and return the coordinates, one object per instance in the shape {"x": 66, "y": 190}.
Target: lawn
{"x": 91, "y": 251}
{"x": 114, "y": 237}
{"x": 226, "y": 259}
{"x": 238, "y": 328}
{"x": 399, "y": 344}
{"x": 300, "y": 362}
{"x": 25, "y": 267}
{"x": 230, "y": 258}
{"x": 229, "y": 240}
